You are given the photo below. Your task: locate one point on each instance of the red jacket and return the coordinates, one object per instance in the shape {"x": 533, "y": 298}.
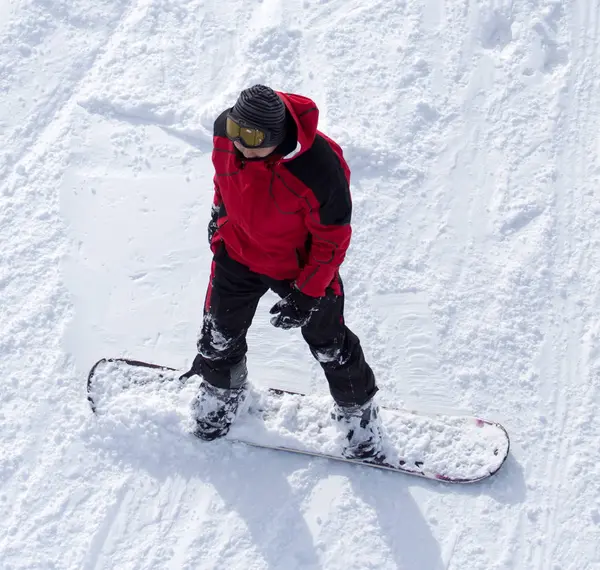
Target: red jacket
{"x": 287, "y": 217}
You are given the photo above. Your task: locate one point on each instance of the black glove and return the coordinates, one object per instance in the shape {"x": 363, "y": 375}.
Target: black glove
{"x": 213, "y": 225}
{"x": 294, "y": 310}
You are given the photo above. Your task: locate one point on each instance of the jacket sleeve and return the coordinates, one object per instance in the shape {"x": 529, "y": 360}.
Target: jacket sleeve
{"x": 217, "y": 199}
{"x": 218, "y": 136}
{"x": 213, "y": 224}
{"x": 218, "y": 212}
{"x": 328, "y": 221}
{"x": 218, "y": 207}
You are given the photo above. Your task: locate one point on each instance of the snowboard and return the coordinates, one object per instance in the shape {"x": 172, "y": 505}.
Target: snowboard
{"x": 449, "y": 448}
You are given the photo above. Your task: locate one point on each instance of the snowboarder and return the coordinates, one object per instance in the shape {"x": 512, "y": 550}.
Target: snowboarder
{"x": 280, "y": 221}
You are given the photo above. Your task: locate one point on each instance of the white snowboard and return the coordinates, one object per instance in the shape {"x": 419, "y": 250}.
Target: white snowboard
{"x": 457, "y": 449}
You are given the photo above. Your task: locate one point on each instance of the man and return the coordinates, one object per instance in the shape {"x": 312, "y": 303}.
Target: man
{"x": 280, "y": 221}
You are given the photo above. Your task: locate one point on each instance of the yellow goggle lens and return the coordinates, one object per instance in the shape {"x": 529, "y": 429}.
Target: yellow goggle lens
{"x": 248, "y": 136}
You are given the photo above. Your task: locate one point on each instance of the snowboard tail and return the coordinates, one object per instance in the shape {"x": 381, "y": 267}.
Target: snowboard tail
{"x": 162, "y": 374}
{"x": 455, "y": 449}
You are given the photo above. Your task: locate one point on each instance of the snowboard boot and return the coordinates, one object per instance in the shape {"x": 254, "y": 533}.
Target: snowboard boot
{"x": 363, "y": 429}
{"x": 215, "y": 409}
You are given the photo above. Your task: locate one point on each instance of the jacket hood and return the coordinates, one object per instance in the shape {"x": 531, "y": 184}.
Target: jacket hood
{"x": 305, "y": 113}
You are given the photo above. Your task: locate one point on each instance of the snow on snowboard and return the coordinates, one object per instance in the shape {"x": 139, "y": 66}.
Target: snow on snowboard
{"x": 456, "y": 449}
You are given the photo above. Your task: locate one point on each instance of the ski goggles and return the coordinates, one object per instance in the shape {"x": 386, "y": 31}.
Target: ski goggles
{"x": 248, "y": 136}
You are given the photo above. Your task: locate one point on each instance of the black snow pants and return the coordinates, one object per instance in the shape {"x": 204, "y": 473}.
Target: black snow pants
{"x": 231, "y": 301}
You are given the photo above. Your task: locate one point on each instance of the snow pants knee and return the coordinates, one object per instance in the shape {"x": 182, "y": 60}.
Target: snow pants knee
{"x": 232, "y": 298}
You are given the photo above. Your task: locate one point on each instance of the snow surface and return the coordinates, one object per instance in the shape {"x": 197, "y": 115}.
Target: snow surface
{"x": 473, "y": 279}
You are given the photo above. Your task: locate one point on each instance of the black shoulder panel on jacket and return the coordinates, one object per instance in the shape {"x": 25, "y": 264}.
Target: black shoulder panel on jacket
{"x": 219, "y": 127}
{"x": 320, "y": 169}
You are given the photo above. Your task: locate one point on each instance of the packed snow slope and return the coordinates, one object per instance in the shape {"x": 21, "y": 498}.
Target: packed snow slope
{"x": 473, "y": 133}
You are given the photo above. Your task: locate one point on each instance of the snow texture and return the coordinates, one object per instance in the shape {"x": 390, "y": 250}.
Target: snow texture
{"x": 473, "y": 280}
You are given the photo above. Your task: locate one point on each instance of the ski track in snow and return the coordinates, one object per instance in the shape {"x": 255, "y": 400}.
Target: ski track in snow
{"x": 473, "y": 278}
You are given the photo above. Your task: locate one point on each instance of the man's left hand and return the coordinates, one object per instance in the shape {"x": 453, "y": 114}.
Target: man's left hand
{"x": 294, "y": 310}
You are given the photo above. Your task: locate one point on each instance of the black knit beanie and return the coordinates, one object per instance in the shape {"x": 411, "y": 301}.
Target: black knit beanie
{"x": 259, "y": 106}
